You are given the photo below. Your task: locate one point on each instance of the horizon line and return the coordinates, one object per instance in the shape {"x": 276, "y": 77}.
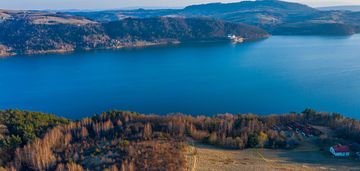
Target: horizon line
{"x": 153, "y": 7}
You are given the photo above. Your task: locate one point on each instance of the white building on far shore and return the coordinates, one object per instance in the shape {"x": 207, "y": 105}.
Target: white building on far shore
{"x": 236, "y": 39}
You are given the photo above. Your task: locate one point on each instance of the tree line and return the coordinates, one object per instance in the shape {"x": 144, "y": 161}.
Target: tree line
{"x": 121, "y": 140}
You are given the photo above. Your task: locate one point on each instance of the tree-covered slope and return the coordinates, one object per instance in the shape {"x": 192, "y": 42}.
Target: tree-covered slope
{"x": 18, "y": 128}
{"x": 34, "y": 33}
{"x": 180, "y": 29}
{"x": 276, "y": 17}
{"x": 120, "y": 140}
{"x": 279, "y": 17}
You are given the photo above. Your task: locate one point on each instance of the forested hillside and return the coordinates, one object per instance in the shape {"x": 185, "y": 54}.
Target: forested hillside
{"x": 18, "y": 128}
{"x": 34, "y": 32}
{"x": 119, "y": 140}
{"x": 276, "y": 17}
{"x": 42, "y": 32}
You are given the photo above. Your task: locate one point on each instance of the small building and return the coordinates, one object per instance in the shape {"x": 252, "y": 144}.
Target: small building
{"x": 236, "y": 39}
{"x": 340, "y": 150}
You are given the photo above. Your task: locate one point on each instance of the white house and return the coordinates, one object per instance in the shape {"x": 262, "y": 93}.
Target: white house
{"x": 340, "y": 150}
{"x": 236, "y": 39}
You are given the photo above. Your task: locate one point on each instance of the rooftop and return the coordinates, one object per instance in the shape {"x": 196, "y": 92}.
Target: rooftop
{"x": 341, "y": 148}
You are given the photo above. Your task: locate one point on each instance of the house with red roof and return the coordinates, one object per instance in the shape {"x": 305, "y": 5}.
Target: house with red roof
{"x": 340, "y": 150}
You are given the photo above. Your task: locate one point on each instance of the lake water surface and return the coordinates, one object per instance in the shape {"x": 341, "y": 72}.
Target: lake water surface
{"x": 277, "y": 75}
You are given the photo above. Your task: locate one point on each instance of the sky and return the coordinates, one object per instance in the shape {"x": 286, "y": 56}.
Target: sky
{"x": 118, "y": 4}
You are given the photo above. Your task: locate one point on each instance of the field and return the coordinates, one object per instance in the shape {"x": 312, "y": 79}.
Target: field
{"x": 209, "y": 158}
{"x": 306, "y": 157}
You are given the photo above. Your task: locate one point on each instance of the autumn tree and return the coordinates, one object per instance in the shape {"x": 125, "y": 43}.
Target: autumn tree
{"x": 262, "y": 138}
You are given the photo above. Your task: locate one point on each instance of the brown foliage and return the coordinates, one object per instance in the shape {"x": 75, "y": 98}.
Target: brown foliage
{"x": 131, "y": 141}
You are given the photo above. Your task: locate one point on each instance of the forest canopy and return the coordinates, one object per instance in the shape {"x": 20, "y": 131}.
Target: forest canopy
{"x": 131, "y": 141}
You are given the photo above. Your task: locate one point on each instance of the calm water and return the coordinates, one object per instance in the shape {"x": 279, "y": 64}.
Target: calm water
{"x": 277, "y": 75}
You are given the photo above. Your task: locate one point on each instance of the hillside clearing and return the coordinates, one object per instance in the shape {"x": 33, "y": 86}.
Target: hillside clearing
{"x": 212, "y": 159}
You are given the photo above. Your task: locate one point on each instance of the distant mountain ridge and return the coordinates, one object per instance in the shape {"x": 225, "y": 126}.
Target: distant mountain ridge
{"x": 34, "y": 32}
{"x": 264, "y": 5}
{"x": 354, "y": 8}
{"x": 276, "y": 17}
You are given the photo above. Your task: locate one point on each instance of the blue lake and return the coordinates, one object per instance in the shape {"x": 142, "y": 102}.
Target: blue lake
{"x": 277, "y": 75}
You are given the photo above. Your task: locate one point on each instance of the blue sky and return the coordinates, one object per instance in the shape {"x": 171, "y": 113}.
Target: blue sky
{"x": 114, "y": 4}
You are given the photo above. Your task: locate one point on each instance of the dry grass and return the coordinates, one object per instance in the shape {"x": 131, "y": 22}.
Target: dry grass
{"x": 307, "y": 157}
{"x": 213, "y": 159}
{"x": 59, "y": 20}
{"x": 45, "y": 17}
{"x": 159, "y": 155}
{"x": 4, "y": 16}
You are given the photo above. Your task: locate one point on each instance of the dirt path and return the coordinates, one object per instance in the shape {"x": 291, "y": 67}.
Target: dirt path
{"x": 191, "y": 156}
{"x": 193, "y": 167}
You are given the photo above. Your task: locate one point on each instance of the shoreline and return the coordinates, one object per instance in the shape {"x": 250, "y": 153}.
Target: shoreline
{"x": 145, "y": 44}
{"x": 181, "y": 113}
{"x": 137, "y": 44}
